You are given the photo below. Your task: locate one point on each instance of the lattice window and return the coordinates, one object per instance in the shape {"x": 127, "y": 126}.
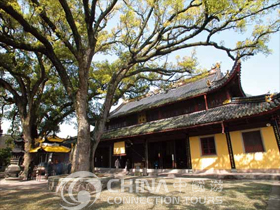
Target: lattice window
{"x": 252, "y": 141}
{"x": 208, "y": 146}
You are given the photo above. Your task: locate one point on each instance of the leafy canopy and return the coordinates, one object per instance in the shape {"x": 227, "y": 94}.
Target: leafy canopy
{"x": 132, "y": 38}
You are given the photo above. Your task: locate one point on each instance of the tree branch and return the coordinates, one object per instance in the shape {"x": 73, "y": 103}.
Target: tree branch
{"x": 21, "y": 45}
{"x": 9, "y": 87}
{"x": 159, "y": 70}
{"x": 27, "y": 27}
{"x": 71, "y": 22}
{"x": 17, "y": 76}
{"x": 53, "y": 27}
{"x": 42, "y": 78}
{"x": 103, "y": 15}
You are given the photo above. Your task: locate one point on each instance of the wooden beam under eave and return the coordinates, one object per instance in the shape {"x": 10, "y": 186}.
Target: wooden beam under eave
{"x": 206, "y": 103}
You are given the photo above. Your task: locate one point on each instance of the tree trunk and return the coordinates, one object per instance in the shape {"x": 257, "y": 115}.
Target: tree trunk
{"x": 81, "y": 156}
{"x": 26, "y": 130}
{"x": 81, "y": 159}
{"x": 93, "y": 149}
{"x": 100, "y": 124}
{"x": 98, "y": 132}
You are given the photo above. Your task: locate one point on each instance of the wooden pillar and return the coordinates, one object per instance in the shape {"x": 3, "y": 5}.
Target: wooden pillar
{"x": 188, "y": 152}
{"x": 276, "y": 132}
{"x": 174, "y": 155}
{"x": 230, "y": 151}
{"x": 228, "y": 95}
{"x": 146, "y": 154}
{"x": 110, "y": 156}
{"x": 206, "y": 103}
{"x": 160, "y": 164}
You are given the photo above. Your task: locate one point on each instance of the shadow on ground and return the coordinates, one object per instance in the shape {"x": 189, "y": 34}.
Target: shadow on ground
{"x": 239, "y": 194}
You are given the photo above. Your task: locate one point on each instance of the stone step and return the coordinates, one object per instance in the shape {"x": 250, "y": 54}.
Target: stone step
{"x": 14, "y": 162}
{"x": 13, "y": 179}
{"x": 109, "y": 170}
{"x": 217, "y": 174}
{"x": 232, "y": 176}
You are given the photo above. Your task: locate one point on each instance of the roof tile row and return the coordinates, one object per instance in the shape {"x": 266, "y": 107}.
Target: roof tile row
{"x": 185, "y": 91}
{"x": 238, "y": 108}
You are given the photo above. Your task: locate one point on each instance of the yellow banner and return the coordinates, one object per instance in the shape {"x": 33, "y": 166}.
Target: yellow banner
{"x": 119, "y": 148}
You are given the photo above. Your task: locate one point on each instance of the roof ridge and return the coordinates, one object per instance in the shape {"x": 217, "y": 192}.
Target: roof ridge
{"x": 185, "y": 82}
{"x": 276, "y": 95}
{"x": 118, "y": 108}
{"x": 214, "y": 79}
{"x": 267, "y": 97}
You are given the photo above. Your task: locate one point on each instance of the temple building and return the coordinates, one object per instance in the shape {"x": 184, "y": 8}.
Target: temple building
{"x": 204, "y": 123}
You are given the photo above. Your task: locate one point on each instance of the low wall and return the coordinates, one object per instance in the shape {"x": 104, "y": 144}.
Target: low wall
{"x": 190, "y": 171}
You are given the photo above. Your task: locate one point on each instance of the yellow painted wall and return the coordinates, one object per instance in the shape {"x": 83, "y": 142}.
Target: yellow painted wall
{"x": 269, "y": 159}
{"x": 219, "y": 161}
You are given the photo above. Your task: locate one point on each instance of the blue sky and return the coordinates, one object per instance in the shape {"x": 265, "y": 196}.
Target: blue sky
{"x": 259, "y": 74}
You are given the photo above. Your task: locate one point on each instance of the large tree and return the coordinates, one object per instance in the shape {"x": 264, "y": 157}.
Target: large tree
{"x": 136, "y": 32}
{"x": 27, "y": 86}
{"x": 24, "y": 89}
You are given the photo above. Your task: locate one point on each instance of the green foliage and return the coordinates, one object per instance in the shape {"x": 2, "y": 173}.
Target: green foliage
{"x": 33, "y": 91}
{"x": 138, "y": 33}
{"x": 5, "y": 155}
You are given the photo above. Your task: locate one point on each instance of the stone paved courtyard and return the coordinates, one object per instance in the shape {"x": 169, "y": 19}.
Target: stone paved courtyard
{"x": 184, "y": 193}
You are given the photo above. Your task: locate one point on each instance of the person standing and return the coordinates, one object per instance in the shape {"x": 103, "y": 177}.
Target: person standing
{"x": 59, "y": 168}
{"x": 50, "y": 168}
{"x": 127, "y": 165}
{"x": 117, "y": 163}
{"x": 156, "y": 164}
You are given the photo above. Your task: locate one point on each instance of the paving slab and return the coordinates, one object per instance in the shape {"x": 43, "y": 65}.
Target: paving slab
{"x": 30, "y": 184}
{"x": 274, "y": 197}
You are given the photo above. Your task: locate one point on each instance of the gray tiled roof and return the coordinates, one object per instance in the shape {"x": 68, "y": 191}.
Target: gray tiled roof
{"x": 188, "y": 90}
{"x": 238, "y": 108}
